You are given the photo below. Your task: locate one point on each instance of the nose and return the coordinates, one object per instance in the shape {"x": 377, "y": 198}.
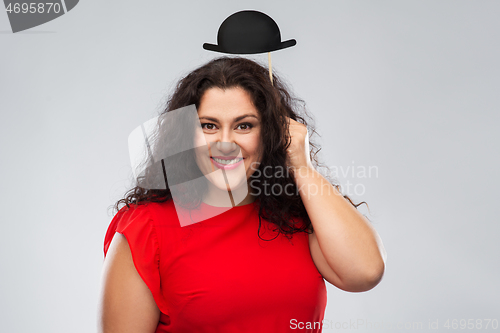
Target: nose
{"x": 227, "y": 148}
{"x": 225, "y": 144}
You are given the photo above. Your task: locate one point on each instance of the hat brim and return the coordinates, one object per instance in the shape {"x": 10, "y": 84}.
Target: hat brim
{"x": 282, "y": 45}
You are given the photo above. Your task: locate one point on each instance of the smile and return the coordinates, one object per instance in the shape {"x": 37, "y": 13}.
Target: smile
{"x": 226, "y": 163}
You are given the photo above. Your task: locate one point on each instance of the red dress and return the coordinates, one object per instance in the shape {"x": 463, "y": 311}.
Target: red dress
{"x": 217, "y": 275}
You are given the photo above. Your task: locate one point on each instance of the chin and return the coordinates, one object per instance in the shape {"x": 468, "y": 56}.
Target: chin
{"x": 235, "y": 182}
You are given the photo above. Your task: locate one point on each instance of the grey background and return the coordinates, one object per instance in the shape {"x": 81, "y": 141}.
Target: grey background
{"x": 410, "y": 87}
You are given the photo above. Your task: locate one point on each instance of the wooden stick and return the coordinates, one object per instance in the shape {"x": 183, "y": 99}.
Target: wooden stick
{"x": 270, "y": 67}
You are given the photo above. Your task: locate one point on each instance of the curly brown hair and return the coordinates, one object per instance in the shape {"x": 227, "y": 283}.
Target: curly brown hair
{"x": 274, "y": 103}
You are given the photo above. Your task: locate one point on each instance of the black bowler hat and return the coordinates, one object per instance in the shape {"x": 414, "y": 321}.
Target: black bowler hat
{"x": 248, "y": 32}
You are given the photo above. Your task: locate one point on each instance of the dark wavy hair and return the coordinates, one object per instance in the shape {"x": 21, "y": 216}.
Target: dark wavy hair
{"x": 275, "y": 103}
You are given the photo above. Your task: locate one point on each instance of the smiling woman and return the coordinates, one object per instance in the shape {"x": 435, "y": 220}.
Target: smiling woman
{"x": 258, "y": 265}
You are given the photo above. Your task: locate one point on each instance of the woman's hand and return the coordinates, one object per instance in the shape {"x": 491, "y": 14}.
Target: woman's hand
{"x": 298, "y": 151}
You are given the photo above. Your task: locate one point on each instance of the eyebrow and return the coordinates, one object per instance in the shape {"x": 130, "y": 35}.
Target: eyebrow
{"x": 235, "y": 119}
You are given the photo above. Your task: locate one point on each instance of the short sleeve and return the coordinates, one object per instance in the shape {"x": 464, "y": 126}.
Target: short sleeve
{"x": 136, "y": 224}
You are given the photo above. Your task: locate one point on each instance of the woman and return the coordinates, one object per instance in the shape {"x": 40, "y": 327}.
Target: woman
{"x": 216, "y": 274}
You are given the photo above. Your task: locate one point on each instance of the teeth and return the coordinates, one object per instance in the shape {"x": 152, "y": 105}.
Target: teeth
{"x": 227, "y": 162}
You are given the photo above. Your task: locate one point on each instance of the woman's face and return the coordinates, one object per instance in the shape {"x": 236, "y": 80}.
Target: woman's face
{"x": 230, "y": 125}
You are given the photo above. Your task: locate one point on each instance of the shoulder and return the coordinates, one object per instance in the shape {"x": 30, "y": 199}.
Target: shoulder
{"x": 151, "y": 210}
{"x": 131, "y": 214}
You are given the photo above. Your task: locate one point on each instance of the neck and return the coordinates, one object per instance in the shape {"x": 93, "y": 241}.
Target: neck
{"x": 225, "y": 198}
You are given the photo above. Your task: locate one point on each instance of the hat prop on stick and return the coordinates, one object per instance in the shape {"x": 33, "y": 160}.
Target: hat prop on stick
{"x": 249, "y": 32}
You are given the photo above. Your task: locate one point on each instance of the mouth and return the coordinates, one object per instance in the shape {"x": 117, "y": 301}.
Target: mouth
{"x": 226, "y": 162}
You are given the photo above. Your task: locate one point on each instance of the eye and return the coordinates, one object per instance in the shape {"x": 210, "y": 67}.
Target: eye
{"x": 208, "y": 126}
{"x": 246, "y": 126}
